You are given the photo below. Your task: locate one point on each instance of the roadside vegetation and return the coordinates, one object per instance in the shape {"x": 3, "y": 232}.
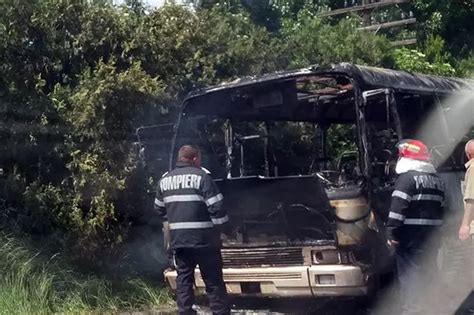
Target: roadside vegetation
{"x": 78, "y": 77}
{"x": 33, "y": 282}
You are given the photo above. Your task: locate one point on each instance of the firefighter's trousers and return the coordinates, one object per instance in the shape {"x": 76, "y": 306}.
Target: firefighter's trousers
{"x": 210, "y": 266}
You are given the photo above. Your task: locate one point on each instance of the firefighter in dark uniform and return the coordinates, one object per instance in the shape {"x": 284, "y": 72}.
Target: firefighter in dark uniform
{"x": 416, "y": 212}
{"x": 191, "y": 202}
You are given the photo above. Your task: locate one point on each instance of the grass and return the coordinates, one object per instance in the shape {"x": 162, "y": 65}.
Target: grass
{"x": 34, "y": 284}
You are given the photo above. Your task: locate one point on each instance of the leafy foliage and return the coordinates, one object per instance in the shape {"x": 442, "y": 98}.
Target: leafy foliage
{"x": 450, "y": 19}
{"x": 415, "y": 61}
{"x": 466, "y": 66}
{"x": 310, "y": 41}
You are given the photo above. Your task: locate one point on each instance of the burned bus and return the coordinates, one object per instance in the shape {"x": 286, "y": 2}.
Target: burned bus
{"x": 305, "y": 160}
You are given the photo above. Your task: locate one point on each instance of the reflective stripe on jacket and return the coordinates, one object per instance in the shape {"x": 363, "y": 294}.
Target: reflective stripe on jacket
{"x": 416, "y": 208}
{"x": 191, "y": 202}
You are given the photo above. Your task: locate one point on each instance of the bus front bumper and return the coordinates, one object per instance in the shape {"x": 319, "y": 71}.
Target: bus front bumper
{"x": 301, "y": 281}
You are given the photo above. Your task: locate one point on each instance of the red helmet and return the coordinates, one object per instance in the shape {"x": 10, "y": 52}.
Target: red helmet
{"x": 413, "y": 149}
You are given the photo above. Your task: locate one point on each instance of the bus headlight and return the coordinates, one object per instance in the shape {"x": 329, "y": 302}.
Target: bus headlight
{"x": 331, "y": 257}
{"x": 325, "y": 257}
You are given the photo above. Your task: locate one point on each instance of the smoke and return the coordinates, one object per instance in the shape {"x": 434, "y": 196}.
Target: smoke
{"x": 444, "y": 129}
{"x": 447, "y": 125}
{"x": 146, "y": 251}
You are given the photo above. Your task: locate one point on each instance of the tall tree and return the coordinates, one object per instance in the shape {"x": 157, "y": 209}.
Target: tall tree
{"x": 452, "y": 20}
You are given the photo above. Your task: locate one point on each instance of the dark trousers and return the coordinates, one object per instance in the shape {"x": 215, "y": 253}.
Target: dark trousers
{"x": 210, "y": 265}
{"x": 416, "y": 270}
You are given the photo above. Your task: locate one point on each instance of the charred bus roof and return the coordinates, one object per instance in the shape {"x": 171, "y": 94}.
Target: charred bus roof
{"x": 316, "y": 94}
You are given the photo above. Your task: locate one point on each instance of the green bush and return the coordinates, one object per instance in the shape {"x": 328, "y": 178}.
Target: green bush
{"x": 415, "y": 61}
{"x": 310, "y": 40}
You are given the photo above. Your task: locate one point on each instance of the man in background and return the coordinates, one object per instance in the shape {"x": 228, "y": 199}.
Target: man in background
{"x": 464, "y": 229}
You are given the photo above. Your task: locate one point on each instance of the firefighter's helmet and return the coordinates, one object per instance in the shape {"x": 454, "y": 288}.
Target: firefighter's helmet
{"x": 413, "y": 149}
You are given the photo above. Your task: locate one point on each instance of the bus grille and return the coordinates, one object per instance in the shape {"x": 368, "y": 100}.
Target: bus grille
{"x": 262, "y": 257}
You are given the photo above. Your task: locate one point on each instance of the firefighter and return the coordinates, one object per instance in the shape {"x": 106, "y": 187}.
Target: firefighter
{"x": 464, "y": 229}
{"x": 192, "y": 204}
{"x": 416, "y": 212}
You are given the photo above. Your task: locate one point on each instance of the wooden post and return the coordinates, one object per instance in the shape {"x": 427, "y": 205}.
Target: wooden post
{"x": 366, "y": 14}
